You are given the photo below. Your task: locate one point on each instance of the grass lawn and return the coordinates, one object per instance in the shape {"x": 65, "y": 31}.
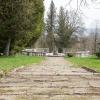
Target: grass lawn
{"x": 9, "y": 63}
{"x": 90, "y": 62}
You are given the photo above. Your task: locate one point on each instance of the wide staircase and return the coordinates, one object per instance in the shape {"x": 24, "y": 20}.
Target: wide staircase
{"x": 53, "y": 79}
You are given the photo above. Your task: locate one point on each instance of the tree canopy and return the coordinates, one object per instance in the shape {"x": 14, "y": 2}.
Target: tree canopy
{"x": 21, "y": 23}
{"x": 60, "y": 27}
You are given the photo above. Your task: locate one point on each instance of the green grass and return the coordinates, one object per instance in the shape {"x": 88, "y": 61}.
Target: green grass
{"x": 9, "y": 63}
{"x": 90, "y": 62}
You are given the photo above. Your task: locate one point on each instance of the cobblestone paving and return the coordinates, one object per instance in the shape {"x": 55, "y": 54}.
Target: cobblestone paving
{"x": 53, "y": 79}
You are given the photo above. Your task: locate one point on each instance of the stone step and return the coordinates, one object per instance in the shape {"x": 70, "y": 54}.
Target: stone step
{"x": 65, "y": 97}
{"x": 13, "y": 90}
{"x": 47, "y": 73}
{"x": 39, "y": 83}
{"x": 50, "y": 78}
{"x": 64, "y": 91}
{"x": 48, "y": 91}
{"x": 49, "y": 97}
{"x": 35, "y": 78}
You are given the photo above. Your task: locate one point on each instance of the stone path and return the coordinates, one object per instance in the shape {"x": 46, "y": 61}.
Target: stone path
{"x": 53, "y": 79}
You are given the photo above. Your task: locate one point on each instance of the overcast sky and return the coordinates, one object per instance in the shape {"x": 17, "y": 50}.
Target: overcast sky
{"x": 90, "y": 13}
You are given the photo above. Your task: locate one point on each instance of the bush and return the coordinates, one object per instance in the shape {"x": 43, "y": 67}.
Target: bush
{"x": 98, "y": 54}
{"x": 70, "y": 55}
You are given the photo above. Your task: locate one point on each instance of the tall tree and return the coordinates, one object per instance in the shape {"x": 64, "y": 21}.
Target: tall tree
{"x": 50, "y": 26}
{"x": 22, "y": 22}
{"x": 68, "y": 24}
{"x": 61, "y": 29}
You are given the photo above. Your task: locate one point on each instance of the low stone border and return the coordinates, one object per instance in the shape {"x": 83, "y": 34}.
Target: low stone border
{"x": 55, "y": 56}
{"x": 90, "y": 70}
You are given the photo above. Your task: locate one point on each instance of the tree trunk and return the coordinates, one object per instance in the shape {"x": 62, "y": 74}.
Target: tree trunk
{"x": 7, "y": 48}
{"x": 55, "y": 50}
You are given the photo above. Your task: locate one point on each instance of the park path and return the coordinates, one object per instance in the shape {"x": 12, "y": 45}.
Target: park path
{"x": 53, "y": 79}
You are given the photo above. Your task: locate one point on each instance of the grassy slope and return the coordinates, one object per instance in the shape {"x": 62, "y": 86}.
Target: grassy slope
{"x": 9, "y": 63}
{"x": 90, "y": 62}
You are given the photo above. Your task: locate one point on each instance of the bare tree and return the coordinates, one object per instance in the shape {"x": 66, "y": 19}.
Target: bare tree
{"x": 80, "y": 3}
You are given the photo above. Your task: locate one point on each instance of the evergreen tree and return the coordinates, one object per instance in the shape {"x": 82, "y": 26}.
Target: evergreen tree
{"x": 68, "y": 23}
{"x": 50, "y": 26}
{"x": 21, "y": 22}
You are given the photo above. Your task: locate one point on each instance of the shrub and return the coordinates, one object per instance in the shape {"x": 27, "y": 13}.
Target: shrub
{"x": 98, "y": 54}
{"x": 70, "y": 54}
